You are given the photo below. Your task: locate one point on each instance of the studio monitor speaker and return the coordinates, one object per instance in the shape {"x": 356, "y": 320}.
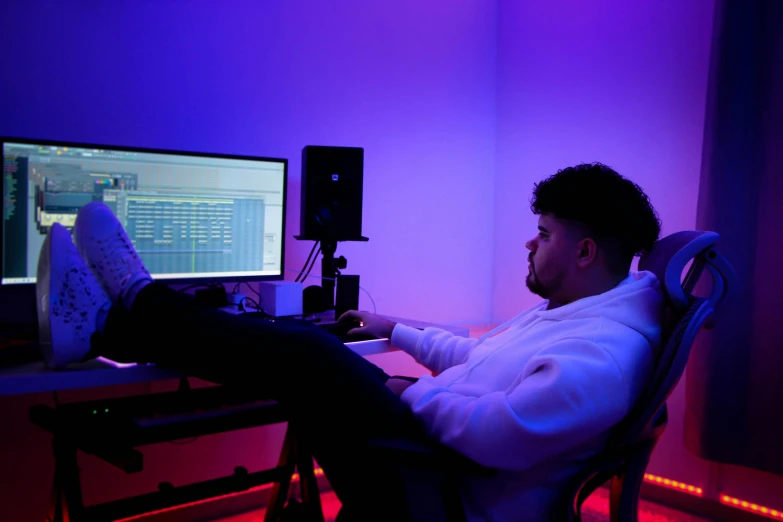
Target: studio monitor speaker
{"x": 331, "y": 205}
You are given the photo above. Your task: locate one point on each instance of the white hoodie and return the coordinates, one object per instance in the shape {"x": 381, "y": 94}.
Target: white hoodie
{"x": 536, "y": 396}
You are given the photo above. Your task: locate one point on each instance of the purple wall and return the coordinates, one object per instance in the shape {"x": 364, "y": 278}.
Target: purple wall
{"x": 614, "y": 81}
{"x": 412, "y": 82}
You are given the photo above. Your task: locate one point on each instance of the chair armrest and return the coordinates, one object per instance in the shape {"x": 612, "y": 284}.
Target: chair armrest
{"x": 424, "y": 455}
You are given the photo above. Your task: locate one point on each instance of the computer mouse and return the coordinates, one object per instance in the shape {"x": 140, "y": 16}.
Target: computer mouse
{"x": 341, "y": 329}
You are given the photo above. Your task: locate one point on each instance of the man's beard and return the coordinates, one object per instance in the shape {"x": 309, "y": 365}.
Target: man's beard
{"x": 533, "y": 283}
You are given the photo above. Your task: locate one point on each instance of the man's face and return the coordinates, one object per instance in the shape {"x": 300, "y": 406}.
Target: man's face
{"x": 550, "y": 253}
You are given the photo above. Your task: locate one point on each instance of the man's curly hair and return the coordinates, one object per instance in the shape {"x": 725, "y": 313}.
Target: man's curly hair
{"x": 613, "y": 211}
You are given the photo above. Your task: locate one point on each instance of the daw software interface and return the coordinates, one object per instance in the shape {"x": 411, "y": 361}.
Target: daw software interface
{"x": 189, "y": 216}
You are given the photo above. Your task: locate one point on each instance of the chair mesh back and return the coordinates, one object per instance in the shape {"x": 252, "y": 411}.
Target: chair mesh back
{"x": 670, "y": 366}
{"x": 680, "y": 322}
{"x": 674, "y": 328}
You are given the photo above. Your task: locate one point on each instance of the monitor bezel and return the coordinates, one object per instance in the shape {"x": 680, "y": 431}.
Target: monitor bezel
{"x": 190, "y": 153}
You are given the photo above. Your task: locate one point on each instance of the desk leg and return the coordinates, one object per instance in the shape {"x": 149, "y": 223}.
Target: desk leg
{"x": 311, "y": 497}
{"x": 279, "y": 495}
{"x": 66, "y": 503}
{"x": 295, "y": 455}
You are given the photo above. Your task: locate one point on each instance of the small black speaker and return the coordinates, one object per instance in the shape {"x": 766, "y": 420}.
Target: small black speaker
{"x": 331, "y": 205}
{"x": 313, "y": 300}
{"x": 347, "y": 294}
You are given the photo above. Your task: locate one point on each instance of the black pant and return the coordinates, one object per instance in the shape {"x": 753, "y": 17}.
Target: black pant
{"x": 337, "y": 398}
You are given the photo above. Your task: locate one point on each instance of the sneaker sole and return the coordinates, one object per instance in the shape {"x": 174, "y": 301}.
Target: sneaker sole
{"x": 42, "y": 298}
{"x": 56, "y": 331}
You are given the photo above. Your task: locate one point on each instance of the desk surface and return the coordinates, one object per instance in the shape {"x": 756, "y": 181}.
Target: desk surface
{"x": 35, "y": 377}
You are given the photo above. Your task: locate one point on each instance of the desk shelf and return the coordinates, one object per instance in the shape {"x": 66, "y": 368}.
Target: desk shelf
{"x": 112, "y": 429}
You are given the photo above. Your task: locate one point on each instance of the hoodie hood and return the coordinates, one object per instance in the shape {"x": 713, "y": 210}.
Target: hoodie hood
{"x": 637, "y": 303}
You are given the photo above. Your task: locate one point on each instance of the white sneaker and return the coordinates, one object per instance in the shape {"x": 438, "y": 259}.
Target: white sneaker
{"x": 68, "y": 300}
{"x": 109, "y": 253}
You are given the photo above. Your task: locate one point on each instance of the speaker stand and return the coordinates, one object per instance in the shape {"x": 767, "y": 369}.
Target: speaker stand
{"x": 330, "y": 267}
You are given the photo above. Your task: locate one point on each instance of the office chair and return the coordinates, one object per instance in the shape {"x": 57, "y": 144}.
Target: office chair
{"x": 432, "y": 473}
{"x": 629, "y": 449}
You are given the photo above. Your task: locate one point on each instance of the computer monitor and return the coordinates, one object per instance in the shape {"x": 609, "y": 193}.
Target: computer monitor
{"x": 193, "y": 217}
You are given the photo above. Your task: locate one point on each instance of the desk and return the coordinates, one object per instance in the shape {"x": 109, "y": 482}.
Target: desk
{"x": 35, "y": 377}
{"x": 28, "y": 441}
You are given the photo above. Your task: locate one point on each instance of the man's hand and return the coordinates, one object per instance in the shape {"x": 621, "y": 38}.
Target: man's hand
{"x": 371, "y": 324}
{"x": 397, "y": 386}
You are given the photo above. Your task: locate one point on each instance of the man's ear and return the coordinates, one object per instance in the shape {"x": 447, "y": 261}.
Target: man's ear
{"x": 587, "y": 253}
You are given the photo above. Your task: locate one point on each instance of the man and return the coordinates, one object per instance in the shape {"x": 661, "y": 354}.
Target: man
{"x": 534, "y": 398}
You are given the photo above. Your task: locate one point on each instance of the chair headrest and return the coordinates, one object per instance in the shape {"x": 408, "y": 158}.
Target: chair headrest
{"x": 671, "y": 255}
{"x": 690, "y": 314}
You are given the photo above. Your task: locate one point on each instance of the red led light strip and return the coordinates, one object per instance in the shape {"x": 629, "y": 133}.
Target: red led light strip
{"x": 737, "y": 503}
{"x": 673, "y": 484}
{"x": 751, "y": 507}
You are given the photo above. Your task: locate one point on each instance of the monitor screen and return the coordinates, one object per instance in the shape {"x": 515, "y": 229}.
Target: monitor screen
{"x": 191, "y": 216}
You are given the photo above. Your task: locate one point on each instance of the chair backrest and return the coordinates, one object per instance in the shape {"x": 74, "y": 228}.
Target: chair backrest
{"x": 684, "y": 316}
{"x": 633, "y": 440}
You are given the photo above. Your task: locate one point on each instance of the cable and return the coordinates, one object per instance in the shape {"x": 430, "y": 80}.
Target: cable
{"x": 312, "y": 264}
{"x": 254, "y": 291}
{"x": 293, "y": 270}
{"x": 374, "y": 308}
{"x": 245, "y": 309}
{"x": 251, "y": 301}
{"x": 308, "y": 260}
{"x": 198, "y": 285}
{"x": 236, "y": 287}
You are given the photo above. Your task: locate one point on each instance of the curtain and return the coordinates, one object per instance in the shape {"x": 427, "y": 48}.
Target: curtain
{"x": 734, "y": 383}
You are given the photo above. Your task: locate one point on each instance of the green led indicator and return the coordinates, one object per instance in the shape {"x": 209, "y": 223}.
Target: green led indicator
{"x": 106, "y": 410}
{"x": 94, "y": 412}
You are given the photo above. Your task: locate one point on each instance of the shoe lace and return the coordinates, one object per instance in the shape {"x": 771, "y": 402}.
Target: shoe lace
{"x": 124, "y": 261}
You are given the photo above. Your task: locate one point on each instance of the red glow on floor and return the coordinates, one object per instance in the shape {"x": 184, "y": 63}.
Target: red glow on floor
{"x": 595, "y": 509}
{"x": 329, "y": 502}
{"x": 196, "y": 503}
{"x": 294, "y": 478}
